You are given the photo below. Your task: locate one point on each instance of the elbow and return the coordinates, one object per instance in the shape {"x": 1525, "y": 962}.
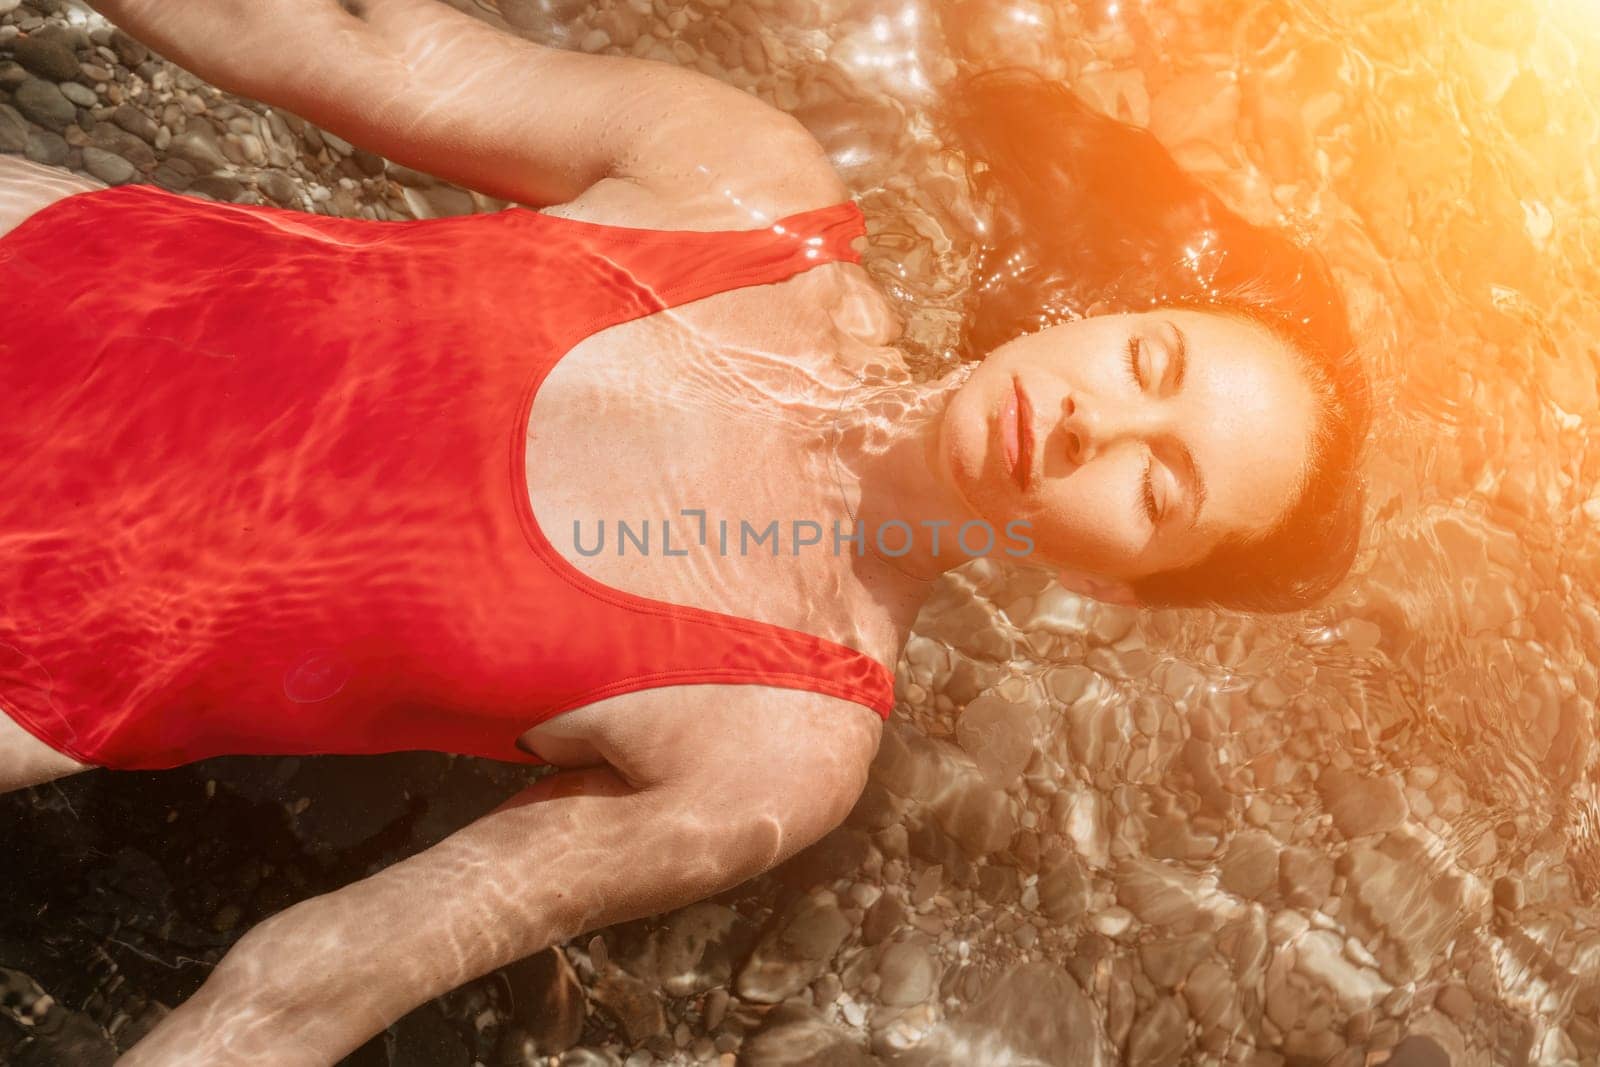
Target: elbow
{"x": 760, "y": 844}
{"x": 790, "y": 819}
{"x": 755, "y": 796}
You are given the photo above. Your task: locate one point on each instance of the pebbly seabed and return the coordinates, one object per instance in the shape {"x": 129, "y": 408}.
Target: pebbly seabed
{"x": 1092, "y": 836}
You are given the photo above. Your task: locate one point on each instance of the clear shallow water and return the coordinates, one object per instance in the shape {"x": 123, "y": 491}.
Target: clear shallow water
{"x": 1430, "y": 734}
{"x": 1233, "y": 840}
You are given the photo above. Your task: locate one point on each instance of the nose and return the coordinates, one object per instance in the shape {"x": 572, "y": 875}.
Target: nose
{"x": 1088, "y": 429}
{"x": 1078, "y": 431}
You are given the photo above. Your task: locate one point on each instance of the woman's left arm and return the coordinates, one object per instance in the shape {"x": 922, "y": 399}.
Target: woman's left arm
{"x": 579, "y": 850}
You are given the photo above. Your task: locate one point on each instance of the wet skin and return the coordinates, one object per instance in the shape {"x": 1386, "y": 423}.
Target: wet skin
{"x": 1142, "y": 439}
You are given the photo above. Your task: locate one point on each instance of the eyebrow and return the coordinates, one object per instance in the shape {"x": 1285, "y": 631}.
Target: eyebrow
{"x": 1191, "y": 470}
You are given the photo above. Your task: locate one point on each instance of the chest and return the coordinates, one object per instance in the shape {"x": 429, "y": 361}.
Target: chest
{"x": 687, "y": 457}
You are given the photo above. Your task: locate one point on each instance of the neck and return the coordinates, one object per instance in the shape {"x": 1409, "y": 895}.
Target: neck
{"x": 887, "y": 441}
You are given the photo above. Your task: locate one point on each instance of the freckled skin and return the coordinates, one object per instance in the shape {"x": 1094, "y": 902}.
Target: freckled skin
{"x": 1244, "y": 411}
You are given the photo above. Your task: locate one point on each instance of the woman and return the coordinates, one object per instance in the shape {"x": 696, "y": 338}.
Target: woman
{"x": 317, "y": 485}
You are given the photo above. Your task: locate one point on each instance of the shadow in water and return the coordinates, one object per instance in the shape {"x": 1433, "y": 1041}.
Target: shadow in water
{"x": 123, "y": 890}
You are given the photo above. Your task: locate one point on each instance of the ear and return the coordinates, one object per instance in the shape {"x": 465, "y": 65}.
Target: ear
{"x": 1108, "y": 590}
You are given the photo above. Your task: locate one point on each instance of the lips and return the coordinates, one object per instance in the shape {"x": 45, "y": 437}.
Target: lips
{"x": 1024, "y": 433}
{"x": 1016, "y": 434}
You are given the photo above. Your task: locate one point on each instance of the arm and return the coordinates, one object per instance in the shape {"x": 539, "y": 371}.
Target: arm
{"x": 442, "y": 92}
{"x": 705, "y": 800}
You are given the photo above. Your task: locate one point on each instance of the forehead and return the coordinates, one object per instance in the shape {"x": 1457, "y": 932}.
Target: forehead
{"x": 1248, "y": 414}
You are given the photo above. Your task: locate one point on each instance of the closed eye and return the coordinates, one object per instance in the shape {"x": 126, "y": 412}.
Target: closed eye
{"x": 1180, "y": 357}
{"x": 1133, "y": 362}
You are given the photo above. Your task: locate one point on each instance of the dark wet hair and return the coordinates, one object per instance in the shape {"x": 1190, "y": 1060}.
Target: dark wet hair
{"x": 1089, "y": 211}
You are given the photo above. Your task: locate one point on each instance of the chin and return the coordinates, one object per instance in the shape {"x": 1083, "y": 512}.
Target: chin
{"x": 953, "y": 458}
{"x": 963, "y": 456}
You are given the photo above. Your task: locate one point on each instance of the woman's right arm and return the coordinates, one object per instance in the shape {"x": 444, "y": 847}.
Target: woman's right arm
{"x": 707, "y": 787}
{"x": 439, "y": 91}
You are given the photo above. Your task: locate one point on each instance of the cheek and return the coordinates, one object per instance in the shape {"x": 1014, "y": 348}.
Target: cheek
{"x": 1090, "y": 519}
{"x": 962, "y": 442}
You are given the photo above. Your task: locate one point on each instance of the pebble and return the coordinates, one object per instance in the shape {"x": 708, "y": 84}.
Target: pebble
{"x": 130, "y": 53}
{"x": 927, "y": 884}
{"x": 795, "y": 950}
{"x": 171, "y": 177}
{"x": 81, "y": 95}
{"x": 907, "y": 973}
{"x": 1158, "y": 893}
{"x": 632, "y": 1003}
{"x": 47, "y": 57}
{"x": 979, "y": 816}
{"x": 882, "y": 919}
{"x": 999, "y": 735}
{"x": 1112, "y": 922}
{"x": 406, "y": 176}
{"x": 1177, "y": 800}
{"x": 548, "y": 999}
{"x": 42, "y": 102}
{"x": 1249, "y": 868}
{"x": 1062, "y": 891}
{"x": 13, "y": 129}
{"x": 46, "y": 146}
{"x": 198, "y": 144}
{"x": 109, "y": 168}
{"x": 1305, "y": 876}
{"x": 1362, "y": 805}
{"x": 279, "y": 187}
{"x": 1157, "y": 1036}
{"x": 218, "y": 187}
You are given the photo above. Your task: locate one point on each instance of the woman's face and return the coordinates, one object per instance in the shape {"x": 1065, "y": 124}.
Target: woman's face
{"x": 1133, "y": 443}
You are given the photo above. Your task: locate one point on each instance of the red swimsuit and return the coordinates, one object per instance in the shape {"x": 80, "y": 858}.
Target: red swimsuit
{"x": 264, "y": 491}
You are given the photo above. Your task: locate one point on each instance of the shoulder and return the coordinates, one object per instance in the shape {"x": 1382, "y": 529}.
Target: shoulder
{"x": 858, "y": 306}
{"x": 708, "y": 195}
{"x": 724, "y": 154}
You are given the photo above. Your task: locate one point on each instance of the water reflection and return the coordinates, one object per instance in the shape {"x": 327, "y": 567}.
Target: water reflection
{"x": 1209, "y": 837}
{"x": 1388, "y": 806}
